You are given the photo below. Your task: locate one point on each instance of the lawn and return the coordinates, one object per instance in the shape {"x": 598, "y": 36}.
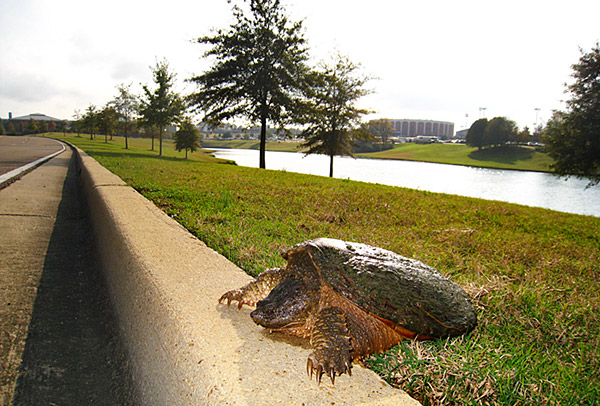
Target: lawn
{"x": 533, "y": 274}
{"x": 506, "y": 157}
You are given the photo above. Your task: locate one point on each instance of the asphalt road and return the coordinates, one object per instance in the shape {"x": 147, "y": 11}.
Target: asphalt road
{"x": 16, "y": 151}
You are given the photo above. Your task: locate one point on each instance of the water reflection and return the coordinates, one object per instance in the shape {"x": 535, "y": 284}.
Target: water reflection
{"x": 529, "y": 188}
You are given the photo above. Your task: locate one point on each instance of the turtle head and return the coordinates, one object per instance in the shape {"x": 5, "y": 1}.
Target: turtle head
{"x": 287, "y": 306}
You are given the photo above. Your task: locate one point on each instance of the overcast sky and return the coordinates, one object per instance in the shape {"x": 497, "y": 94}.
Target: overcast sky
{"x": 433, "y": 59}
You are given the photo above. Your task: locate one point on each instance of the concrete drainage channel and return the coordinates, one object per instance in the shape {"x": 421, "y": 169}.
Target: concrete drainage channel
{"x": 185, "y": 348}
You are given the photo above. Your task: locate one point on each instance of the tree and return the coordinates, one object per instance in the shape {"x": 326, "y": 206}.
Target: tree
{"x": 64, "y": 125}
{"x": 34, "y": 128}
{"x": 573, "y": 136}
{"x": 521, "y": 137}
{"x": 475, "y": 134}
{"x": 77, "y": 123}
{"x": 126, "y": 105}
{"x": 259, "y": 71}
{"x": 10, "y": 128}
{"x": 187, "y": 137}
{"x": 161, "y": 107}
{"x": 42, "y": 126}
{"x": 107, "y": 121}
{"x": 498, "y": 131}
{"x": 331, "y": 115}
{"x": 2, "y": 129}
{"x": 381, "y": 129}
{"x": 90, "y": 120}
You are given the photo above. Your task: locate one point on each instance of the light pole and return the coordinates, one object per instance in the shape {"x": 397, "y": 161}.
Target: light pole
{"x": 537, "y": 109}
{"x": 482, "y": 112}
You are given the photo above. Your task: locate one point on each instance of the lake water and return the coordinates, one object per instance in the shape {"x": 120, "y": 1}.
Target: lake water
{"x": 528, "y": 188}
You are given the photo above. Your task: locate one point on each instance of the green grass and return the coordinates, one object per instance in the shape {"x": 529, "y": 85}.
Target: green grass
{"x": 533, "y": 274}
{"x": 507, "y": 157}
{"x": 137, "y": 146}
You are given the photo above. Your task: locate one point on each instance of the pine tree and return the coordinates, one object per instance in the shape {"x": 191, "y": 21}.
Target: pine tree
{"x": 573, "y": 136}
{"x": 162, "y": 106}
{"x": 259, "y": 71}
{"x": 187, "y": 137}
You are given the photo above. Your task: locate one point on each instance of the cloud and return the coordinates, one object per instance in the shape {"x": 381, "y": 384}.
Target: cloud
{"x": 128, "y": 70}
{"x": 25, "y": 87}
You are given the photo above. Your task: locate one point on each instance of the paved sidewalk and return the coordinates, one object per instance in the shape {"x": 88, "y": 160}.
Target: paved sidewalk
{"x": 56, "y": 334}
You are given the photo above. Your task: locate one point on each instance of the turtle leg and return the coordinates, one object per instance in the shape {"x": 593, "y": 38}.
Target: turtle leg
{"x": 256, "y": 290}
{"x": 331, "y": 344}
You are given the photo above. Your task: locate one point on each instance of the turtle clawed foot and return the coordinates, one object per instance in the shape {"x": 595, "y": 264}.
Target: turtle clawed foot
{"x": 236, "y": 295}
{"x": 329, "y": 362}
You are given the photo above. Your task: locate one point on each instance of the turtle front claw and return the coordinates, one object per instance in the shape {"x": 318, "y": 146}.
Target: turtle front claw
{"x": 236, "y": 295}
{"x": 328, "y": 361}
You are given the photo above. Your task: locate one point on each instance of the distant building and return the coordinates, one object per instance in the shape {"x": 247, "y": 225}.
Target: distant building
{"x": 23, "y": 124}
{"x": 407, "y": 128}
{"x": 34, "y": 117}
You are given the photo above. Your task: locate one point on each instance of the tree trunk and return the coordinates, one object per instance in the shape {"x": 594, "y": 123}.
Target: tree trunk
{"x": 331, "y": 165}
{"x": 160, "y": 142}
{"x": 263, "y": 140}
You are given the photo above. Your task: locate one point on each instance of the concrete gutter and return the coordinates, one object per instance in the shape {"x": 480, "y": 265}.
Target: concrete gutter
{"x": 184, "y": 347}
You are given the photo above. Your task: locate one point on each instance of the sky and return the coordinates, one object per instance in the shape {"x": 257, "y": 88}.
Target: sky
{"x": 441, "y": 60}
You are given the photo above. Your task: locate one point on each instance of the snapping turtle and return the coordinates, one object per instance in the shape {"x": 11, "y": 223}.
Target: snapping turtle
{"x": 353, "y": 300}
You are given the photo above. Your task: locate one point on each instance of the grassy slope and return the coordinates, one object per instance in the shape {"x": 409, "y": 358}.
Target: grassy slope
{"x": 533, "y": 274}
{"x": 509, "y": 157}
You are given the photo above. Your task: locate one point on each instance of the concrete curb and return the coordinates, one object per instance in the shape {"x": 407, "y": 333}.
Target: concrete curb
{"x": 185, "y": 348}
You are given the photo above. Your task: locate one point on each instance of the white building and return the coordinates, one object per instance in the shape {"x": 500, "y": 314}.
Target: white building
{"x": 414, "y": 128}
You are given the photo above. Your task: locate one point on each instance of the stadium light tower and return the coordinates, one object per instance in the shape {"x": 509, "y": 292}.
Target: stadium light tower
{"x": 537, "y": 110}
{"x": 482, "y": 112}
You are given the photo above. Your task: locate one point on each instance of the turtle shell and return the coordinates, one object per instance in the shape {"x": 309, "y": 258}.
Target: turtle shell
{"x": 403, "y": 291}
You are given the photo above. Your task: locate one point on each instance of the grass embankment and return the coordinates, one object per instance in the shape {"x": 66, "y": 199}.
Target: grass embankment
{"x": 506, "y": 157}
{"x": 533, "y": 274}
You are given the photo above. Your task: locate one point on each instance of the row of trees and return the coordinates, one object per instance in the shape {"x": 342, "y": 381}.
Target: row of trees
{"x": 32, "y": 127}
{"x": 495, "y": 132}
{"x": 153, "y": 112}
{"x": 259, "y": 73}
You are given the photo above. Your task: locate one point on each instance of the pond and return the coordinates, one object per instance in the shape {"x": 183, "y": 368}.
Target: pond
{"x": 529, "y": 188}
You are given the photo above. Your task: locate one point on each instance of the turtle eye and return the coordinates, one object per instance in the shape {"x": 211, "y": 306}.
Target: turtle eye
{"x": 287, "y": 304}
